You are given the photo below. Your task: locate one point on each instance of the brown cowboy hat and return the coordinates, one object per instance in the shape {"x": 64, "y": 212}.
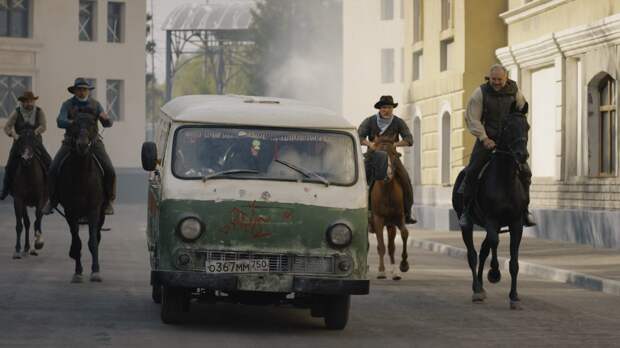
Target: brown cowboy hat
{"x": 27, "y": 95}
{"x": 80, "y": 82}
{"x": 385, "y": 100}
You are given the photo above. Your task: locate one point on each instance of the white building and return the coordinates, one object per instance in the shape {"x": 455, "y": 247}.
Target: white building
{"x": 565, "y": 54}
{"x": 373, "y": 56}
{"x": 46, "y": 44}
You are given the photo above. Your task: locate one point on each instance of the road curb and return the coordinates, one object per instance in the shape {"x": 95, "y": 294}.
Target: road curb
{"x": 577, "y": 279}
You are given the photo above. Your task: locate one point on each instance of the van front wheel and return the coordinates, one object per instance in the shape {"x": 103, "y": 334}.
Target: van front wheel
{"x": 337, "y": 312}
{"x": 175, "y": 303}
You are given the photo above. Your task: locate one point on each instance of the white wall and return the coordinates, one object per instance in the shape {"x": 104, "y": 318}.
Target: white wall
{"x": 543, "y": 123}
{"x": 54, "y": 57}
{"x": 365, "y": 35}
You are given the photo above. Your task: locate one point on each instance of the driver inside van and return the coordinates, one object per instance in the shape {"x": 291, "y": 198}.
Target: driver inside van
{"x": 251, "y": 154}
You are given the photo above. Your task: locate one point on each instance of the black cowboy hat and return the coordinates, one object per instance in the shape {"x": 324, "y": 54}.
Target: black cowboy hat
{"x": 80, "y": 82}
{"x": 385, "y": 100}
{"x": 27, "y": 95}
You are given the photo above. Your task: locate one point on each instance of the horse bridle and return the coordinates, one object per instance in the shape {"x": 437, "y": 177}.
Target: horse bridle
{"x": 510, "y": 152}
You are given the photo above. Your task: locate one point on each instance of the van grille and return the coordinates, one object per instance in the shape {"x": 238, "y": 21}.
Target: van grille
{"x": 280, "y": 263}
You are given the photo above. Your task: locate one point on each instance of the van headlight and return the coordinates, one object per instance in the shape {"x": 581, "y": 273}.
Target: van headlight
{"x": 339, "y": 235}
{"x": 189, "y": 229}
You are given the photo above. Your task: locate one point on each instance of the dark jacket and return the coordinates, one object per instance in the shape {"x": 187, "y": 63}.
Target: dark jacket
{"x": 369, "y": 129}
{"x": 496, "y": 106}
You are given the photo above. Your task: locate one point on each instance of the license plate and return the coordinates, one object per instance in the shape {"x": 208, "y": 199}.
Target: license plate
{"x": 238, "y": 266}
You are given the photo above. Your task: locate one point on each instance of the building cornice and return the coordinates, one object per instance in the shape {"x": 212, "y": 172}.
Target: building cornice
{"x": 15, "y": 44}
{"x": 530, "y": 9}
{"x": 568, "y": 42}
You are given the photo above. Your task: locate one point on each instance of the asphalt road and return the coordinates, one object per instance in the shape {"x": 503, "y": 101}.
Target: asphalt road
{"x": 431, "y": 307}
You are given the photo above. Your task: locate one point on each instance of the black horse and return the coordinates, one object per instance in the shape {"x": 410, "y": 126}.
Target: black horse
{"x": 29, "y": 189}
{"x": 81, "y": 193}
{"x": 500, "y": 201}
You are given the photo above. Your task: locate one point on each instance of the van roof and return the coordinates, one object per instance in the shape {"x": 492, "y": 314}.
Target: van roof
{"x": 255, "y": 111}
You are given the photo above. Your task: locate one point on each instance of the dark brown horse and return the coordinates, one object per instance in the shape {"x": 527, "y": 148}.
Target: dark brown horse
{"x": 386, "y": 199}
{"x": 29, "y": 189}
{"x": 81, "y": 193}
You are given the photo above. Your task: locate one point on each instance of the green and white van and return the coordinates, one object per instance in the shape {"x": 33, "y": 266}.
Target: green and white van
{"x": 258, "y": 201}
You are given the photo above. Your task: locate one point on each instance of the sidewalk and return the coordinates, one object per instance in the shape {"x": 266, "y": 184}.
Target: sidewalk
{"x": 580, "y": 265}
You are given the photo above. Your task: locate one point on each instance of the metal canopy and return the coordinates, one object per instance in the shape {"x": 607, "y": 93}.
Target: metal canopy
{"x": 217, "y": 31}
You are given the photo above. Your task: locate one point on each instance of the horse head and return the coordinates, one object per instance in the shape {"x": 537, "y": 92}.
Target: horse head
{"x": 26, "y": 145}
{"x": 514, "y": 134}
{"x": 386, "y": 144}
{"x": 84, "y": 131}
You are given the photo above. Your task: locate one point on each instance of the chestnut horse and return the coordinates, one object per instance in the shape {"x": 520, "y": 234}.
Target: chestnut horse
{"x": 386, "y": 200}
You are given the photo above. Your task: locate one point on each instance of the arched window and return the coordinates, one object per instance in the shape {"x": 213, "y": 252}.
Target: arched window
{"x": 445, "y": 148}
{"x": 607, "y": 112}
{"x": 602, "y": 125}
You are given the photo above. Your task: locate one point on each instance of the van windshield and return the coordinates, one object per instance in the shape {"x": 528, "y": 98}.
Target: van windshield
{"x": 264, "y": 154}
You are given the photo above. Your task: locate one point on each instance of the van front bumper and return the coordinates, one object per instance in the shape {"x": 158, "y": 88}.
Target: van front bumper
{"x": 267, "y": 282}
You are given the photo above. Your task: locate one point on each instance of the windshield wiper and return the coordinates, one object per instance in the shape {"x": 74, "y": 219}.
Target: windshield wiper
{"x": 303, "y": 171}
{"x": 229, "y": 171}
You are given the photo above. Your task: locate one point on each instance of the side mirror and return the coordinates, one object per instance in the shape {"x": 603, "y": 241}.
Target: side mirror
{"x": 149, "y": 156}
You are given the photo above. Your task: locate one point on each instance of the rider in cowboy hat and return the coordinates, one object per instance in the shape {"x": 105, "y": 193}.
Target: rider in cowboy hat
{"x": 83, "y": 103}
{"x": 26, "y": 115}
{"x": 385, "y": 123}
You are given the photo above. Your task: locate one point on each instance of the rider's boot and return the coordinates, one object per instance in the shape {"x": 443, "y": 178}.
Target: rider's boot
{"x": 49, "y": 206}
{"x": 529, "y": 220}
{"x": 410, "y": 217}
{"x": 109, "y": 209}
{"x": 464, "y": 220}
{"x": 5, "y": 187}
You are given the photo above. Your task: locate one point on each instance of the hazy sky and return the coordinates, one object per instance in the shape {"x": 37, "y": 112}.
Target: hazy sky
{"x": 160, "y": 10}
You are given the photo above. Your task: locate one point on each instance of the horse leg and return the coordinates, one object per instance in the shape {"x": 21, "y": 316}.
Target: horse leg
{"x": 94, "y": 221}
{"x": 378, "y": 227}
{"x": 391, "y": 251}
{"x": 516, "y": 232}
{"x": 38, "y": 234}
{"x": 75, "y": 252}
{"x": 27, "y": 232}
{"x": 404, "y": 235}
{"x": 18, "y": 207}
{"x": 494, "y": 275}
{"x": 467, "y": 233}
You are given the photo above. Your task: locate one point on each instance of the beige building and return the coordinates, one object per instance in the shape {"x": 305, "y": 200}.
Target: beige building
{"x": 45, "y": 45}
{"x": 373, "y": 55}
{"x": 449, "y": 46}
{"x": 565, "y": 55}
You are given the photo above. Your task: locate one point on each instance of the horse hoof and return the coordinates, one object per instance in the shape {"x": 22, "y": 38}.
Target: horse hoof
{"x": 17, "y": 255}
{"x": 404, "y": 266}
{"x": 95, "y": 277}
{"x": 38, "y": 242}
{"x": 397, "y": 277}
{"x": 478, "y": 297}
{"x": 516, "y": 305}
{"x": 494, "y": 276}
{"x": 381, "y": 275}
{"x": 34, "y": 253}
{"x": 77, "y": 278}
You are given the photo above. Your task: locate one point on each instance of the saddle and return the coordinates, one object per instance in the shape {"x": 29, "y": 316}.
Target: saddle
{"x": 476, "y": 212}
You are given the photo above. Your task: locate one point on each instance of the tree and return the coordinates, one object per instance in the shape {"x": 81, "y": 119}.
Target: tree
{"x": 297, "y": 50}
